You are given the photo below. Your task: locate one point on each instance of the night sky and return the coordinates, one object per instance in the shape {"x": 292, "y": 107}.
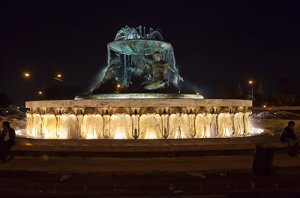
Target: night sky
{"x": 216, "y": 43}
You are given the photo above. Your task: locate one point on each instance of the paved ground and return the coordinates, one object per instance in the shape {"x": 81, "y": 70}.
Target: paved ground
{"x": 207, "y": 176}
{"x": 173, "y": 168}
{"x": 145, "y": 164}
{"x": 179, "y": 184}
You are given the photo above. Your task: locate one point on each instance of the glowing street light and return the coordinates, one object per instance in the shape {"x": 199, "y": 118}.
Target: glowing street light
{"x": 26, "y": 75}
{"x": 119, "y": 86}
{"x": 58, "y": 77}
{"x": 251, "y": 83}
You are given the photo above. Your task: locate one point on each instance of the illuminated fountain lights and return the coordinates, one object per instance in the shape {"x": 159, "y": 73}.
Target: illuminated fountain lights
{"x": 128, "y": 117}
{"x": 142, "y": 103}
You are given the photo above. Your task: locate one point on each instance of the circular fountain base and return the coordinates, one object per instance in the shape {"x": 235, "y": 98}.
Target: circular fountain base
{"x": 144, "y": 148}
{"x": 140, "y": 96}
{"x": 138, "y": 116}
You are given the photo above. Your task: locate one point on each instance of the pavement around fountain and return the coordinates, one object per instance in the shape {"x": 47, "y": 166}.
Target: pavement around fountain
{"x": 234, "y": 183}
{"x": 141, "y": 164}
{"x": 136, "y": 155}
{"x": 220, "y": 168}
{"x": 198, "y": 176}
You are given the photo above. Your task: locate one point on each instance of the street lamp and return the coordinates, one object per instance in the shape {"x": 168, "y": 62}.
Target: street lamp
{"x": 264, "y": 106}
{"x": 119, "y": 86}
{"x": 57, "y": 77}
{"x": 251, "y": 83}
{"x": 26, "y": 75}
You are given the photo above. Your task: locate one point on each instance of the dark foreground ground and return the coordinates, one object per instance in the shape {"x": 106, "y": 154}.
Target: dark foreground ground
{"x": 209, "y": 176}
{"x": 163, "y": 168}
{"x": 229, "y": 184}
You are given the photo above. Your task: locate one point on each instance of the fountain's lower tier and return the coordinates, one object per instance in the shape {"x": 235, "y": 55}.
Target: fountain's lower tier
{"x": 155, "y": 116}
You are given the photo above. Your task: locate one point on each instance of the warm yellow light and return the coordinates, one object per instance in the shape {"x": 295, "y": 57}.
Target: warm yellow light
{"x": 26, "y": 75}
{"x": 118, "y": 134}
{"x": 59, "y": 76}
{"x": 250, "y": 82}
{"x": 264, "y": 106}
{"x": 40, "y": 92}
{"x": 197, "y": 93}
{"x": 27, "y": 144}
{"x": 119, "y": 85}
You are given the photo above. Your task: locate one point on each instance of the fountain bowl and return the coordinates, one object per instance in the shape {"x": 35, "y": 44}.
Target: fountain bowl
{"x": 138, "y": 116}
{"x": 138, "y": 47}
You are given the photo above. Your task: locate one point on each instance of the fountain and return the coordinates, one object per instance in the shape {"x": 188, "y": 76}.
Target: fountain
{"x": 137, "y": 96}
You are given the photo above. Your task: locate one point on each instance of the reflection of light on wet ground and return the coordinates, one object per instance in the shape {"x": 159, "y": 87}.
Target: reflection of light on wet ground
{"x": 27, "y": 144}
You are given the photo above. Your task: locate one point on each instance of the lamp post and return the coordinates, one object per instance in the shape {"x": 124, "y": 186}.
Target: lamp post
{"x": 251, "y": 83}
{"x": 42, "y": 92}
{"x": 57, "y": 77}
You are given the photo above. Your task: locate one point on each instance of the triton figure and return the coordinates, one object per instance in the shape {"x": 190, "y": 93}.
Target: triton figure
{"x": 159, "y": 68}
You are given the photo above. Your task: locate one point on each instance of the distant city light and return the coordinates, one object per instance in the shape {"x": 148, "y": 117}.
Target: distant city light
{"x": 250, "y": 82}
{"x": 264, "y": 106}
{"x": 40, "y": 93}
{"x": 59, "y": 76}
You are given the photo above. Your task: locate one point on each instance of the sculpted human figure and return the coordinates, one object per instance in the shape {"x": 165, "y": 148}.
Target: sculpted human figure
{"x": 153, "y": 71}
{"x": 159, "y": 67}
{"x": 111, "y": 71}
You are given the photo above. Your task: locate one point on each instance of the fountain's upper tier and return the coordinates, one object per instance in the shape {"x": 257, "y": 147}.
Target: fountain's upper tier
{"x": 139, "y": 47}
{"x": 139, "y": 61}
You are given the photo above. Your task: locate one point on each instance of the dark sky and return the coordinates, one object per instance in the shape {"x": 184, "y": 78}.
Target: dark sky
{"x": 216, "y": 43}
